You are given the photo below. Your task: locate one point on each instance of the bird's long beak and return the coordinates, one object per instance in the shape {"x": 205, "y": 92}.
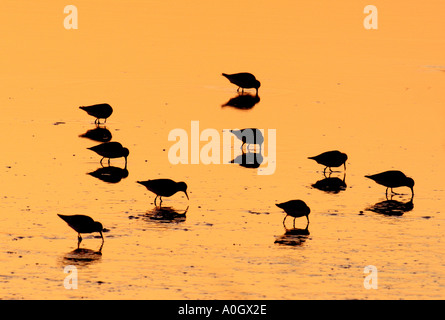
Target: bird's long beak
{"x": 186, "y": 195}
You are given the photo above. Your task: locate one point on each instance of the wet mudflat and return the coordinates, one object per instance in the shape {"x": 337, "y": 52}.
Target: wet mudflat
{"x": 323, "y": 88}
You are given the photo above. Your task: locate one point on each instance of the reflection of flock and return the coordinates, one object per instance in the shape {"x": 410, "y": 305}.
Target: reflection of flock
{"x": 249, "y": 136}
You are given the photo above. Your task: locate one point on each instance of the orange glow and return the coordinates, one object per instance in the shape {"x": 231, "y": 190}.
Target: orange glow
{"x": 327, "y": 83}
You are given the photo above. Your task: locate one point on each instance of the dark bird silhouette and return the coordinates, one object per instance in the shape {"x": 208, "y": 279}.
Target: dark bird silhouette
{"x": 331, "y": 159}
{"x": 110, "y": 174}
{"x": 295, "y": 208}
{"x": 111, "y": 150}
{"x": 164, "y": 187}
{"x": 243, "y": 80}
{"x": 83, "y": 224}
{"x": 393, "y": 179}
{"x": 249, "y": 136}
{"x": 243, "y": 101}
{"x": 98, "y": 134}
{"x": 99, "y": 111}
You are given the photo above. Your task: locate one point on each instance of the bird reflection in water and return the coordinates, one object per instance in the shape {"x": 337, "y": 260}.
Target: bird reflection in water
{"x": 249, "y": 159}
{"x": 110, "y": 174}
{"x": 294, "y": 236}
{"x": 391, "y": 207}
{"x": 167, "y": 214}
{"x": 83, "y": 256}
{"x": 100, "y": 134}
{"x": 331, "y": 184}
{"x": 244, "y": 101}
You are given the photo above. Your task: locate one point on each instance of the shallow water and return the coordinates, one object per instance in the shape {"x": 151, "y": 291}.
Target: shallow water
{"x": 327, "y": 83}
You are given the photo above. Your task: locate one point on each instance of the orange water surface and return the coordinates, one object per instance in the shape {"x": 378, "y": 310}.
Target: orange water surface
{"x": 327, "y": 83}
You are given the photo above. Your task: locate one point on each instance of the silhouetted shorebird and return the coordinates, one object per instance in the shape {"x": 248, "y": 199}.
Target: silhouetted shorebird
{"x": 393, "y": 179}
{"x": 83, "y": 224}
{"x": 164, "y": 187}
{"x": 295, "y": 208}
{"x": 249, "y": 136}
{"x": 243, "y": 80}
{"x": 99, "y": 111}
{"x": 111, "y": 150}
{"x": 331, "y": 159}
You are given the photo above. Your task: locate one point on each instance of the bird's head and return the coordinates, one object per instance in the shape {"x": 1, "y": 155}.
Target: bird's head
{"x": 410, "y": 184}
{"x": 98, "y": 226}
{"x": 182, "y": 186}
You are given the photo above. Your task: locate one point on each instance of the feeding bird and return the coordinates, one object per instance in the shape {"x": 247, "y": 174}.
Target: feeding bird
{"x": 243, "y": 80}
{"x": 164, "y": 187}
{"x": 111, "y": 150}
{"x": 249, "y": 136}
{"x": 295, "y": 208}
{"x": 393, "y": 179}
{"x": 331, "y": 159}
{"x": 99, "y": 111}
{"x": 83, "y": 224}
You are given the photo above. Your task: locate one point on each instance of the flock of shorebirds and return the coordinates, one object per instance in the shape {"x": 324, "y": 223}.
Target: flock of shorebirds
{"x": 166, "y": 187}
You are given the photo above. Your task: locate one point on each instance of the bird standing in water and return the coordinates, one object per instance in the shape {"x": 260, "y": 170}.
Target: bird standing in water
{"x": 164, "y": 187}
{"x": 243, "y": 80}
{"x": 249, "y": 136}
{"x": 295, "y": 208}
{"x": 82, "y": 224}
{"x": 331, "y": 159}
{"x": 111, "y": 150}
{"x": 393, "y": 179}
{"x": 99, "y": 111}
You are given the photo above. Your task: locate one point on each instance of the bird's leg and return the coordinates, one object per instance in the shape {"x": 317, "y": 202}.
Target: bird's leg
{"x": 160, "y": 203}
{"x": 79, "y": 240}
{"x": 237, "y": 90}
{"x": 307, "y": 217}
{"x": 284, "y": 220}
{"x": 294, "y": 222}
{"x": 101, "y": 161}
{"x": 155, "y": 199}
{"x": 109, "y": 159}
